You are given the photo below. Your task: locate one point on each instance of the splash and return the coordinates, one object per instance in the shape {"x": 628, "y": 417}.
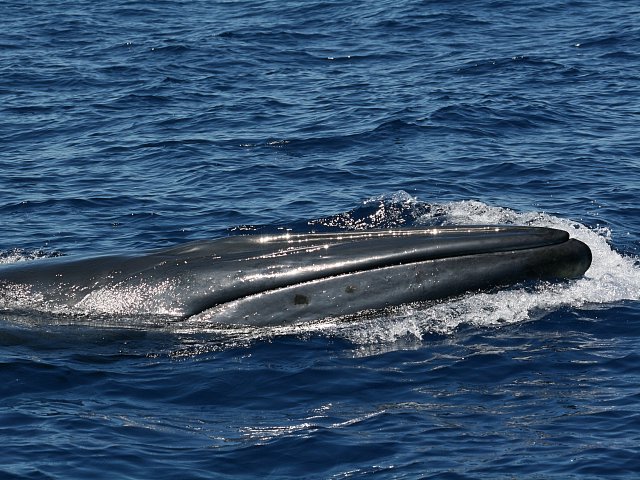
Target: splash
{"x": 21, "y": 255}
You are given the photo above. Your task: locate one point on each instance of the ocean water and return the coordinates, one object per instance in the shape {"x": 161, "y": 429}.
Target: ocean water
{"x": 131, "y": 125}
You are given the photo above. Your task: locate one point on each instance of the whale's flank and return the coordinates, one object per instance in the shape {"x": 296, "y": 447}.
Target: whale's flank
{"x": 277, "y": 279}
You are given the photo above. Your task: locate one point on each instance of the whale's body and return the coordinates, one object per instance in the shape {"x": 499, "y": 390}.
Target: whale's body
{"x": 277, "y": 279}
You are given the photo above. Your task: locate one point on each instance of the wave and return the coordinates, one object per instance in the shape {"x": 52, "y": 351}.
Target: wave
{"x": 501, "y": 65}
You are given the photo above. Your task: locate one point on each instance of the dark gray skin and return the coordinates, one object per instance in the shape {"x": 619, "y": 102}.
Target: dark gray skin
{"x": 279, "y": 279}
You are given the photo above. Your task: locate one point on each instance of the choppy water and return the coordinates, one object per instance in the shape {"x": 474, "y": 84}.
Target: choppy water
{"x": 128, "y": 125}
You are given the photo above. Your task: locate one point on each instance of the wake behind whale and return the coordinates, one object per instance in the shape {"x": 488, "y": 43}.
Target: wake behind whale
{"x": 281, "y": 279}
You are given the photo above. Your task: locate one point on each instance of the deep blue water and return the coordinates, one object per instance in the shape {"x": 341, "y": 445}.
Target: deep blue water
{"x": 132, "y": 125}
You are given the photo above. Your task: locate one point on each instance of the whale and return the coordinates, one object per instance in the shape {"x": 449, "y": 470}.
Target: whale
{"x": 286, "y": 278}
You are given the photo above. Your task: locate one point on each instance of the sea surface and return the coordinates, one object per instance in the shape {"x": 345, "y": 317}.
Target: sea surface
{"x": 131, "y": 125}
